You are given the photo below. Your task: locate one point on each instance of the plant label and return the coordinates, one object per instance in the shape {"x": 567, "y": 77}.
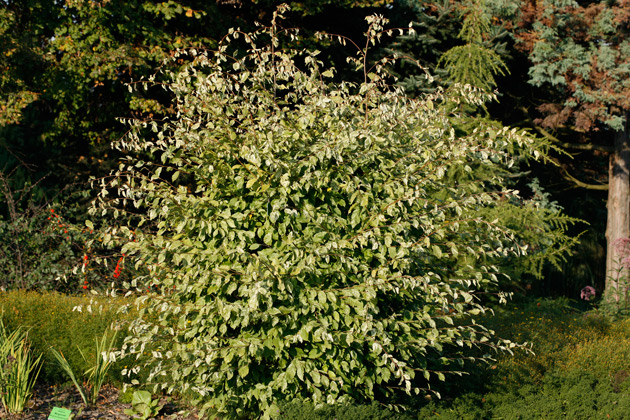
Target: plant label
{"x": 59, "y": 414}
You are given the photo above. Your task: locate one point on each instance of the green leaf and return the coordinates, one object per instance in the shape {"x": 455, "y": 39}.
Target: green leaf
{"x": 268, "y": 238}
{"x": 437, "y": 251}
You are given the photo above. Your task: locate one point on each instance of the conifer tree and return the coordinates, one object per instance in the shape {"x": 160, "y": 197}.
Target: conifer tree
{"x": 461, "y": 43}
{"x": 581, "y": 51}
{"x": 473, "y": 63}
{"x": 456, "y": 41}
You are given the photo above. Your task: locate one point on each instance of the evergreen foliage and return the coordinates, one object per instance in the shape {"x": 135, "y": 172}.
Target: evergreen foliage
{"x": 310, "y": 239}
{"x": 582, "y": 49}
{"x": 474, "y": 63}
{"x": 436, "y": 42}
{"x": 434, "y": 32}
{"x": 581, "y": 52}
{"x": 540, "y": 225}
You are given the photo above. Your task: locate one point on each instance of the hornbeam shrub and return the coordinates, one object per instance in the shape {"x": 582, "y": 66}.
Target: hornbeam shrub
{"x": 306, "y": 238}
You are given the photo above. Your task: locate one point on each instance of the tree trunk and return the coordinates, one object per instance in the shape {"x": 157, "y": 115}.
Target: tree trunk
{"x": 618, "y": 225}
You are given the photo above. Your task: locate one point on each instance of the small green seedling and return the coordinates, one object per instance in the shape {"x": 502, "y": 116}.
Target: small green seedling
{"x": 59, "y": 414}
{"x": 143, "y": 406}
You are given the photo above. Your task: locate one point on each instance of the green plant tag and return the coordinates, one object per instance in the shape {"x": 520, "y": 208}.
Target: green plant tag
{"x": 59, "y": 414}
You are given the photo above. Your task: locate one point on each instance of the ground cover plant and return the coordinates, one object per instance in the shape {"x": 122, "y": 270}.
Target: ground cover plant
{"x": 579, "y": 369}
{"x": 308, "y": 239}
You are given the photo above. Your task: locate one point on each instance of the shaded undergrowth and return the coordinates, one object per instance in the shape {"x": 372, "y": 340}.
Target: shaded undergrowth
{"x": 579, "y": 368}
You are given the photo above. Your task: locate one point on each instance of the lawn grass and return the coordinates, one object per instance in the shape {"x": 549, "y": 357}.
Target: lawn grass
{"x": 50, "y": 321}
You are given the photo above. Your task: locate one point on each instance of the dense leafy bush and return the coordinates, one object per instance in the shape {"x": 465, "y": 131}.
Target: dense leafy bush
{"x": 37, "y": 247}
{"x": 309, "y": 239}
{"x": 50, "y": 321}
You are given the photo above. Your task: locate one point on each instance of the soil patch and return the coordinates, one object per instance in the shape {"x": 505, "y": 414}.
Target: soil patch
{"x": 108, "y": 406}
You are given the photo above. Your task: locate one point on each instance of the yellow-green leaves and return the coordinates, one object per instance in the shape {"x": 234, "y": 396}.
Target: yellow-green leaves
{"x": 321, "y": 239}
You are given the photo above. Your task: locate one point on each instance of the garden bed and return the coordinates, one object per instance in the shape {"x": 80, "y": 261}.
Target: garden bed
{"x": 109, "y": 406}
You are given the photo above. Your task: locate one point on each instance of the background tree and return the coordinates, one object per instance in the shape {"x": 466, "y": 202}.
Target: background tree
{"x": 581, "y": 50}
{"x": 65, "y": 65}
{"x": 476, "y": 56}
{"x": 454, "y": 40}
{"x": 575, "y": 183}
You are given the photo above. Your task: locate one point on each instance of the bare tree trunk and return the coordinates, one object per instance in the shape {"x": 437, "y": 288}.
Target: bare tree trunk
{"x": 618, "y": 224}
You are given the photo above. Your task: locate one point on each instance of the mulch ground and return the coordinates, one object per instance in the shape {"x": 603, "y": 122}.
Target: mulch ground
{"x": 108, "y": 406}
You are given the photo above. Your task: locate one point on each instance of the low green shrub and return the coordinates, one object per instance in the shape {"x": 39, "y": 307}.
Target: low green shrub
{"x": 50, "y": 320}
{"x": 572, "y": 395}
{"x": 580, "y": 369}
{"x": 554, "y": 330}
{"x": 469, "y": 406}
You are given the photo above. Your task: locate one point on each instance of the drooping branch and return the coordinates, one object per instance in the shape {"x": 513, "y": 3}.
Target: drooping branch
{"x": 599, "y": 187}
{"x": 575, "y": 146}
{"x": 566, "y": 175}
{"x": 564, "y": 144}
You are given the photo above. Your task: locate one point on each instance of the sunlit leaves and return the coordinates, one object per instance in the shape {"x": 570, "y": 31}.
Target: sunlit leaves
{"x": 314, "y": 242}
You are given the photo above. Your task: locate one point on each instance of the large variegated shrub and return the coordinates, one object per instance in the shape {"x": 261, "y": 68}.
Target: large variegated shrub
{"x": 306, "y": 238}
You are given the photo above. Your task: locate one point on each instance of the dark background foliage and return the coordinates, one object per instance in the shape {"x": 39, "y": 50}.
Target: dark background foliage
{"x": 65, "y": 65}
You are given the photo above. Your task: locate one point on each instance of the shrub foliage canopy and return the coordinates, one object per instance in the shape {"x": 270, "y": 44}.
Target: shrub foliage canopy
{"x": 307, "y": 238}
